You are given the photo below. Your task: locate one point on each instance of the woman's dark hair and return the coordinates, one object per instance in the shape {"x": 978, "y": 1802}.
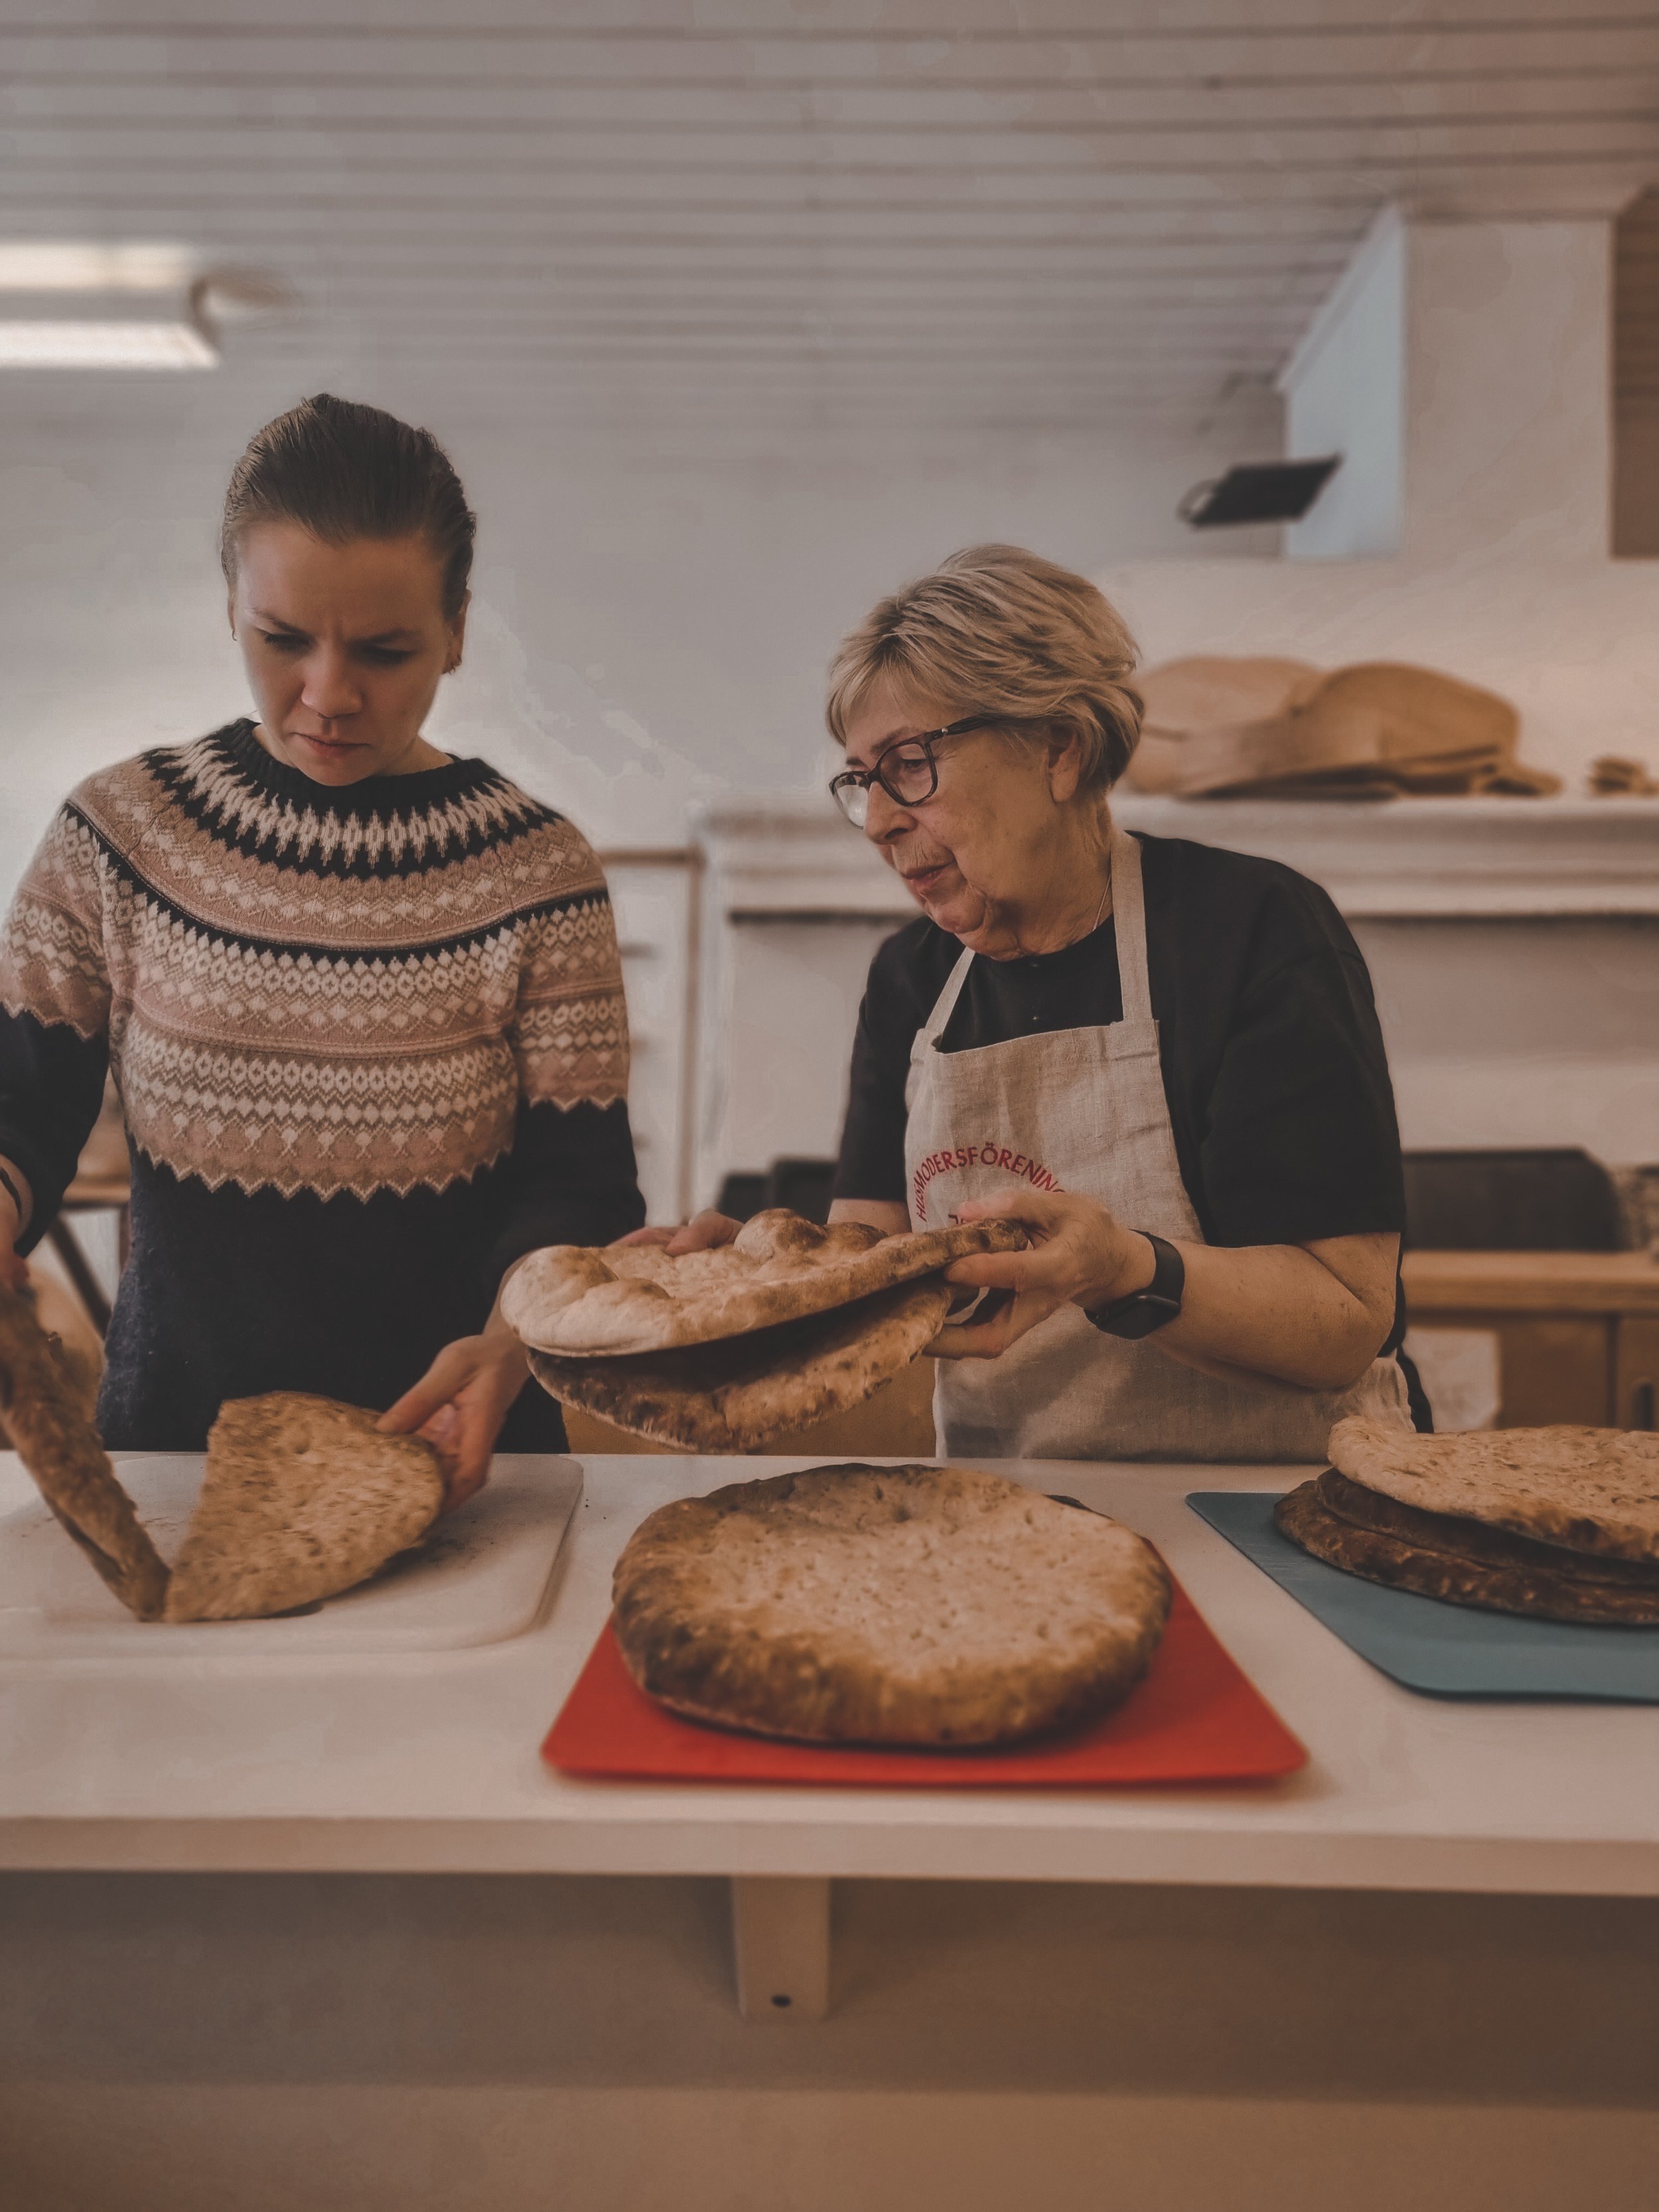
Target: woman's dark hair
{"x": 342, "y": 470}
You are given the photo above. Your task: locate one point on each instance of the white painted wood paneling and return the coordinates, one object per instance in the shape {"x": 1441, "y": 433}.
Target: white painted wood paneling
{"x": 907, "y": 222}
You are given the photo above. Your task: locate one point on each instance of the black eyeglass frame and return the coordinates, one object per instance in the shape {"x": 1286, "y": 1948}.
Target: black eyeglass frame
{"x": 861, "y": 778}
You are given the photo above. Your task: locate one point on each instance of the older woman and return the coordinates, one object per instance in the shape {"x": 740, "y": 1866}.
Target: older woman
{"x": 1162, "y": 1058}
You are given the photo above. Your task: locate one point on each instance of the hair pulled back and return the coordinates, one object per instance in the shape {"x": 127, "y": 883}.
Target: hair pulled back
{"x": 343, "y": 470}
{"x": 997, "y": 630}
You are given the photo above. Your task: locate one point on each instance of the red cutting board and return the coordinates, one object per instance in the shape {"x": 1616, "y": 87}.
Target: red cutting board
{"x": 1196, "y": 1718}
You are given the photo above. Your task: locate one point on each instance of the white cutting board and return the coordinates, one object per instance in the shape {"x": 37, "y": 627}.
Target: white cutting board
{"x": 480, "y": 1577}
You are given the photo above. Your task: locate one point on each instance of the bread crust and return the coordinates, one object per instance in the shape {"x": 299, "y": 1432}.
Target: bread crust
{"x": 922, "y": 1606}
{"x": 741, "y": 1393}
{"x": 62, "y": 1450}
{"x": 302, "y": 1497}
{"x": 1587, "y": 1490}
{"x": 621, "y": 1299}
{"x": 1437, "y": 1560}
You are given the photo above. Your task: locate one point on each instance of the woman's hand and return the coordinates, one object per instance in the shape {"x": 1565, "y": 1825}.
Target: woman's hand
{"x": 1078, "y": 1255}
{"x": 459, "y": 1403}
{"x": 703, "y": 1233}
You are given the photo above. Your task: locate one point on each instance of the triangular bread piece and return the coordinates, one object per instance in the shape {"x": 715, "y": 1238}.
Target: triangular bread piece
{"x": 606, "y": 1301}
{"x": 1587, "y": 1490}
{"x": 303, "y": 1498}
{"x": 60, "y": 1449}
{"x": 739, "y": 1394}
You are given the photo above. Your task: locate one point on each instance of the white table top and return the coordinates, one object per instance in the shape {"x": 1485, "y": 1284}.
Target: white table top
{"x": 430, "y": 1762}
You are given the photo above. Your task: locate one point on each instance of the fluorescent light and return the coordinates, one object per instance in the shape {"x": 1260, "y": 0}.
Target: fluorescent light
{"x": 103, "y": 345}
{"x": 80, "y": 265}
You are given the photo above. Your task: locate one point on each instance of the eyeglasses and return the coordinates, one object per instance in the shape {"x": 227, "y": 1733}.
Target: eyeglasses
{"x": 907, "y": 773}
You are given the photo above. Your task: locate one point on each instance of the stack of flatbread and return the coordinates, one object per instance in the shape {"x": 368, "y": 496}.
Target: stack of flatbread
{"x": 1258, "y": 727}
{"x": 930, "y": 1607}
{"x": 301, "y": 1498}
{"x": 1558, "y": 1524}
{"x": 725, "y": 1351}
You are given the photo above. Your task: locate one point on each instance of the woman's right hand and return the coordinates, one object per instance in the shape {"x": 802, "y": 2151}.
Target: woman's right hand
{"x": 704, "y": 1232}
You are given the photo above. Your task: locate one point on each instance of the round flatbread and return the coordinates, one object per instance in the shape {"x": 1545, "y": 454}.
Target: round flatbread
{"x": 599, "y": 1301}
{"x": 739, "y": 1394}
{"x": 1586, "y": 1490}
{"x": 1473, "y": 1540}
{"x": 923, "y": 1606}
{"x": 1538, "y": 1589}
{"x": 302, "y": 1497}
{"x": 62, "y": 1450}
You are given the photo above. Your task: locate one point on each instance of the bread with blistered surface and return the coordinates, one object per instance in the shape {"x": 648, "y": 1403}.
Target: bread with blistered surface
{"x": 916, "y": 1606}
{"x": 594, "y": 1301}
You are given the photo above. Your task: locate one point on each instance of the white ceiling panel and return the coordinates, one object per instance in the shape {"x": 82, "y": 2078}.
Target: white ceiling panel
{"x": 930, "y": 214}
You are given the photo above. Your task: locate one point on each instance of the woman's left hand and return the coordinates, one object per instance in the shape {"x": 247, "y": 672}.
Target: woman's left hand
{"x": 1078, "y": 1255}
{"x": 458, "y": 1406}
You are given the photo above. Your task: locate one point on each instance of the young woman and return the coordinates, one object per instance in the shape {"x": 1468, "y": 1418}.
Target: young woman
{"x": 362, "y": 1002}
{"x": 1161, "y": 1057}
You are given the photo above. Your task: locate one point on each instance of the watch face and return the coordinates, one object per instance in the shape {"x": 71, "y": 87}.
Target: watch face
{"x": 1140, "y": 1316}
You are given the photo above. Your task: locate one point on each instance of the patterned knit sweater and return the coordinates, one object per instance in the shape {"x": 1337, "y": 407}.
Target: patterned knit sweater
{"x": 370, "y": 1043}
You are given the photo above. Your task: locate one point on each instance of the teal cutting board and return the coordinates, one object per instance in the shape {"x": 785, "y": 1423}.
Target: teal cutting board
{"x": 1444, "y": 1651}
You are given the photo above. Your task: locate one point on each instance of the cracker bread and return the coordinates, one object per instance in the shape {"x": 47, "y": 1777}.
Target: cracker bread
{"x": 1538, "y": 1592}
{"x": 737, "y": 1394}
{"x": 598, "y": 1301}
{"x": 912, "y": 1605}
{"x": 1587, "y": 1490}
{"x": 303, "y": 1498}
{"x": 53, "y": 1437}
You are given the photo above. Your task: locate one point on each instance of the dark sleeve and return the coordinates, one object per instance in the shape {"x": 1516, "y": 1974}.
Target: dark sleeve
{"x": 1300, "y": 1140}
{"x": 54, "y": 1018}
{"x": 571, "y": 1180}
{"x": 871, "y": 1162}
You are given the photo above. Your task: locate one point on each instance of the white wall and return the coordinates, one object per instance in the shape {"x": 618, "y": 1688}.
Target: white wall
{"x": 642, "y": 634}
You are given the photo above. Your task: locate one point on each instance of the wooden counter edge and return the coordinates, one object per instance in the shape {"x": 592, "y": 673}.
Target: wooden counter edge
{"x": 1444, "y": 1284}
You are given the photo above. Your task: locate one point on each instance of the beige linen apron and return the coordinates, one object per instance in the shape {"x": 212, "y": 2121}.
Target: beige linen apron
{"x": 1083, "y": 1110}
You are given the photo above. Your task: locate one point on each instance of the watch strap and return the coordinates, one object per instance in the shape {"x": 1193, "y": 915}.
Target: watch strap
{"x": 1151, "y": 1307}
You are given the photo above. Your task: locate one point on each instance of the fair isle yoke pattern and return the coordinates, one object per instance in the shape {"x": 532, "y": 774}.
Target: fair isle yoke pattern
{"x": 308, "y": 990}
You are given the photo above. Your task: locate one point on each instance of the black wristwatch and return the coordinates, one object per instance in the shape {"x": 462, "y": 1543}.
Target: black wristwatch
{"x": 1143, "y": 1311}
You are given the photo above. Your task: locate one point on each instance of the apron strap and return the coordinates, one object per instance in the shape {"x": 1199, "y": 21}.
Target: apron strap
{"x": 1130, "y": 912}
{"x": 945, "y": 1005}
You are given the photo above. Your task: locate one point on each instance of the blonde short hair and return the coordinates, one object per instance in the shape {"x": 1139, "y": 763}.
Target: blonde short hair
{"x": 995, "y": 629}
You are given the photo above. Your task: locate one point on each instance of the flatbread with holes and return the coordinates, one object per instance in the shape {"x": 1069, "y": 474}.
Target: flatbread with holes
{"x": 1460, "y": 1561}
{"x": 303, "y": 1498}
{"x": 615, "y": 1299}
{"x": 52, "y": 1437}
{"x": 738, "y": 1394}
{"x": 921, "y": 1606}
{"x": 1586, "y": 1490}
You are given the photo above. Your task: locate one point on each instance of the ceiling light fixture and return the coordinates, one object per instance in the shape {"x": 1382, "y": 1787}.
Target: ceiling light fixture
{"x": 96, "y": 344}
{"x": 30, "y": 264}
{"x": 75, "y": 304}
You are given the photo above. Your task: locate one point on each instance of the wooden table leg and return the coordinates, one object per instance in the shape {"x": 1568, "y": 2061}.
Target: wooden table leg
{"x": 781, "y": 1944}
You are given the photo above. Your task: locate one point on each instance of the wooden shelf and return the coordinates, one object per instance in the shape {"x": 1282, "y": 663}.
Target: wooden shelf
{"x": 1444, "y": 1282}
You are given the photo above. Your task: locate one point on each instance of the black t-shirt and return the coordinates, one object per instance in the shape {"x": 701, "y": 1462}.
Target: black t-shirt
{"x": 1273, "y": 1066}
